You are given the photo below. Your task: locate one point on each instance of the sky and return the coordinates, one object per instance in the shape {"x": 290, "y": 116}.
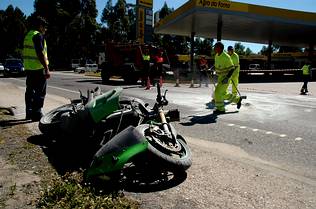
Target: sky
{"x": 302, "y": 5}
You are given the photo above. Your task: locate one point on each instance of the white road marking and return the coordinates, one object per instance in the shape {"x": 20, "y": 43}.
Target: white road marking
{"x": 62, "y": 89}
{"x": 52, "y": 87}
{"x": 263, "y": 131}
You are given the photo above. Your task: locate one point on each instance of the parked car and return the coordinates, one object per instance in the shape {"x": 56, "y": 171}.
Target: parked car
{"x": 75, "y": 63}
{"x": 254, "y": 67}
{"x": 13, "y": 67}
{"x": 1, "y": 68}
{"x": 87, "y": 68}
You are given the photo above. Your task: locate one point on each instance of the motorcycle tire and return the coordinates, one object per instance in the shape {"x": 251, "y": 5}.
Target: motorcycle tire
{"x": 50, "y": 122}
{"x": 180, "y": 161}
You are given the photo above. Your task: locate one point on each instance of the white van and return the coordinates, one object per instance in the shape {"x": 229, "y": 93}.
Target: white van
{"x": 87, "y": 68}
{"x": 254, "y": 67}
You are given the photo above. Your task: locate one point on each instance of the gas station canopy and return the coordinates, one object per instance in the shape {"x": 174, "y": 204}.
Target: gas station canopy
{"x": 241, "y": 22}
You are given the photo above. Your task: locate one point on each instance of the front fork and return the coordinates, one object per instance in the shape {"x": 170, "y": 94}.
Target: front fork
{"x": 166, "y": 127}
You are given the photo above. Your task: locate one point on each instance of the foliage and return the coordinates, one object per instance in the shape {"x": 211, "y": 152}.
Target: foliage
{"x": 248, "y": 51}
{"x": 204, "y": 46}
{"x": 265, "y": 50}
{"x": 70, "y": 191}
{"x": 289, "y": 49}
{"x": 119, "y": 20}
{"x": 164, "y": 11}
{"x": 12, "y": 30}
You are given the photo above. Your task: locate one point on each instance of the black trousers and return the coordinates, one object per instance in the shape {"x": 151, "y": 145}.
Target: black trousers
{"x": 35, "y": 91}
{"x": 306, "y": 78}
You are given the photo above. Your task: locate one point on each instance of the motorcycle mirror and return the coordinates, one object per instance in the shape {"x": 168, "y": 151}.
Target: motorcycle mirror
{"x": 165, "y": 93}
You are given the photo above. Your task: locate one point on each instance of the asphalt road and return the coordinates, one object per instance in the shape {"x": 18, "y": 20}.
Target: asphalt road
{"x": 276, "y": 127}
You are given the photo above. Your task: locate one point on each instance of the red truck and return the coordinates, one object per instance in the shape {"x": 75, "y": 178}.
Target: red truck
{"x": 126, "y": 61}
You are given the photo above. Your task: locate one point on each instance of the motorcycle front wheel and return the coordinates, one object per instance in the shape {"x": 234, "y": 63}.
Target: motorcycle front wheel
{"x": 176, "y": 155}
{"x": 50, "y": 122}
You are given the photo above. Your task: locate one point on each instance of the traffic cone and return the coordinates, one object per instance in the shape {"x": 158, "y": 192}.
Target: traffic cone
{"x": 160, "y": 81}
{"x": 147, "y": 84}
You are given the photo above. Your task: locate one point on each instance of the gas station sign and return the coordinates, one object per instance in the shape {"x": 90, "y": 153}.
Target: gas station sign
{"x": 144, "y": 28}
{"x": 146, "y": 3}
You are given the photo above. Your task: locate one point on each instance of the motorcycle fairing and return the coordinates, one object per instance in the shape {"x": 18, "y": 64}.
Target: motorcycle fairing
{"x": 104, "y": 104}
{"x": 117, "y": 152}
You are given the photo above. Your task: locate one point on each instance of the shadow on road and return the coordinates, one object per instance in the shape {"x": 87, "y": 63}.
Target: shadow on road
{"x": 196, "y": 119}
{"x": 14, "y": 122}
{"x": 64, "y": 153}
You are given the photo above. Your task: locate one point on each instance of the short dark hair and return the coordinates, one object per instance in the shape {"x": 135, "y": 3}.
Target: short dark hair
{"x": 220, "y": 45}
{"x": 230, "y": 48}
{"x": 40, "y": 21}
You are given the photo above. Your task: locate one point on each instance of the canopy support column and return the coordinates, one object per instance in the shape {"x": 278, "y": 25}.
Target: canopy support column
{"x": 219, "y": 27}
{"x": 192, "y": 58}
{"x": 310, "y": 51}
{"x": 269, "y": 54}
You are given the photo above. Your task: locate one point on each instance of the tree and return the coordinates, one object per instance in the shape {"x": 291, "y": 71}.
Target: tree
{"x": 239, "y": 48}
{"x": 12, "y": 30}
{"x": 265, "y": 49}
{"x": 120, "y": 20}
{"x": 204, "y": 46}
{"x": 284, "y": 49}
{"x": 248, "y": 52}
{"x": 71, "y": 31}
{"x": 164, "y": 11}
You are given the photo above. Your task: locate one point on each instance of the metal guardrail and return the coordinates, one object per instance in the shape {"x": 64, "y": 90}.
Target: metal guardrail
{"x": 271, "y": 70}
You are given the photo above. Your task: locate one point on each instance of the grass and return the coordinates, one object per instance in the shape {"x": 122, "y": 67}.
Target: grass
{"x": 54, "y": 191}
{"x": 70, "y": 191}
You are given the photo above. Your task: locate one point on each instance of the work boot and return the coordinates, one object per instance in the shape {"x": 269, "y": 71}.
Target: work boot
{"x": 218, "y": 112}
{"x": 239, "y": 103}
{"x": 28, "y": 115}
{"x": 37, "y": 116}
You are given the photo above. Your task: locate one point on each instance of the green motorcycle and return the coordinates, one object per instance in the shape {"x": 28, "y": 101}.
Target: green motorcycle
{"x": 129, "y": 134}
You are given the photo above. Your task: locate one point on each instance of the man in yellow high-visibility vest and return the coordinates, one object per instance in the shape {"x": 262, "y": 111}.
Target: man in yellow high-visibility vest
{"x": 224, "y": 68}
{"x": 234, "y": 80}
{"x": 36, "y": 68}
{"x": 306, "y": 71}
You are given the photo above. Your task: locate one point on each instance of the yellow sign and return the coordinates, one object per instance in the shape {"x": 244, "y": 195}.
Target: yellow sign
{"x": 141, "y": 24}
{"x": 223, "y": 4}
{"x": 146, "y": 3}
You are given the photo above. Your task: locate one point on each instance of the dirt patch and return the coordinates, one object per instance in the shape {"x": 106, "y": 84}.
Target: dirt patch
{"x": 28, "y": 179}
{"x": 22, "y": 165}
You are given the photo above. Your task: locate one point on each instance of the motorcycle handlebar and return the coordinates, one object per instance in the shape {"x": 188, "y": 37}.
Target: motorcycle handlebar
{"x": 161, "y": 100}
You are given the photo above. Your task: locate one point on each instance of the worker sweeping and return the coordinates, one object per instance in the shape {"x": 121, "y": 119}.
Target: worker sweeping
{"x": 234, "y": 80}
{"x": 224, "y": 68}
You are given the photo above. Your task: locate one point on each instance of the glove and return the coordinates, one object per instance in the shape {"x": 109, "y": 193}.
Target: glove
{"x": 225, "y": 80}
{"x": 230, "y": 73}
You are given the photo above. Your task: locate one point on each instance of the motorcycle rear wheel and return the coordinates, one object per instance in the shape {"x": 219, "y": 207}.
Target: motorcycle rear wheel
{"x": 50, "y": 122}
{"x": 175, "y": 158}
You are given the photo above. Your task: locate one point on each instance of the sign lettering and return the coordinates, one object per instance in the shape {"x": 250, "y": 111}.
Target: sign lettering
{"x": 222, "y": 4}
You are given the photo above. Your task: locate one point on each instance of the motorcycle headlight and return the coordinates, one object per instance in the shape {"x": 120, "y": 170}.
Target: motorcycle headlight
{"x": 22, "y": 68}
